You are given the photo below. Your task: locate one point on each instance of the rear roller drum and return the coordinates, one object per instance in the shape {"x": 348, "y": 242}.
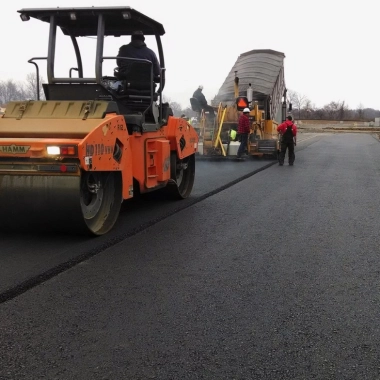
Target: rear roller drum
{"x": 100, "y": 199}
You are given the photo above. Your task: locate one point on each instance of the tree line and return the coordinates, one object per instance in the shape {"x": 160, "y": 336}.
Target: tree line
{"x": 302, "y": 106}
{"x": 304, "y": 109}
{"x": 11, "y": 90}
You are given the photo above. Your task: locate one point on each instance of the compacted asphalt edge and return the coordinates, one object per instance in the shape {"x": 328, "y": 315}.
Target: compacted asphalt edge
{"x": 34, "y": 281}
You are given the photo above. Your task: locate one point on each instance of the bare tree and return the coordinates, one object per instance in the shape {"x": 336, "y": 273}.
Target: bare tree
{"x": 360, "y": 111}
{"x": 292, "y": 96}
{"x": 30, "y": 87}
{"x": 176, "y": 108}
{"x": 331, "y": 110}
{"x": 343, "y": 108}
{"x": 308, "y": 109}
{"x": 189, "y": 112}
{"x": 320, "y": 113}
{"x": 9, "y": 91}
{"x": 297, "y": 100}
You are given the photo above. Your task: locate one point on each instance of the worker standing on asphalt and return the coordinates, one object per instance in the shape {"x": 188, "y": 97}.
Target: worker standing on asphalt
{"x": 243, "y": 131}
{"x": 288, "y": 131}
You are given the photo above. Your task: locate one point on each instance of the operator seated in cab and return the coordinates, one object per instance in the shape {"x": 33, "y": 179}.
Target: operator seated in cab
{"x": 137, "y": 49}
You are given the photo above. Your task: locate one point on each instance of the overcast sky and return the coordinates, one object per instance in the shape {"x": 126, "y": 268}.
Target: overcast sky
{"x": 330, "y": 45}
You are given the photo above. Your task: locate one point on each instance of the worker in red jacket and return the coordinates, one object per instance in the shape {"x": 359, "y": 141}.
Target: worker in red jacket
{"x": 288, "y": 131}
{"x": 243, "y": 131}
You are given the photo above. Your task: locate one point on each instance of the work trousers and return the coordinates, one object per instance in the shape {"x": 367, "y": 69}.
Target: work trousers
{"x": 290, "y": 147}
{"x": 243, "y": 144}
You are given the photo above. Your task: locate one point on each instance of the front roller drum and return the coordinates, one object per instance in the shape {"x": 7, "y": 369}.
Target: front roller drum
{"x": 182, "y": 173}
{"x": 89, "y": 203}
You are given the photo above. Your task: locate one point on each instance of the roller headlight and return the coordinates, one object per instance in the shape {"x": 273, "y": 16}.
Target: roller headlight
{"x": 61, "y": 150}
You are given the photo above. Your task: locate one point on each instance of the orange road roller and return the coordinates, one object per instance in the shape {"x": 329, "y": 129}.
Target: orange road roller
{"x": 95, "y": 141}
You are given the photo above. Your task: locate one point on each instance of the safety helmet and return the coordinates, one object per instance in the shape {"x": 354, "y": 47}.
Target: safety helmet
{"x": 246, "y": 110}
{"x": 200, "y": 87}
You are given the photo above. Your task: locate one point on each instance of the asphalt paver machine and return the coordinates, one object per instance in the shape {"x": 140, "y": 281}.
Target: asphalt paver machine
{"x": 256, "y": 81}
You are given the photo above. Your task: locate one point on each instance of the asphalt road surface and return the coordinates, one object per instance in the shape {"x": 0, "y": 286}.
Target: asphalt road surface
{"x": 275, "y": 276}
{"x": 28, "y": 258}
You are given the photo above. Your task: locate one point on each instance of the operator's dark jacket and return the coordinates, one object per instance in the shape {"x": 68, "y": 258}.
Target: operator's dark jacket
{"x": 138, "y": 49}
{"x": 200, "y": 97}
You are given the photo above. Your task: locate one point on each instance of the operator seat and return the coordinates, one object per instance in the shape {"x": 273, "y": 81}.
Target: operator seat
{"x": 138, "y": 91}
{"x": 195, "y": 105}
{"x": 137, "y": 79}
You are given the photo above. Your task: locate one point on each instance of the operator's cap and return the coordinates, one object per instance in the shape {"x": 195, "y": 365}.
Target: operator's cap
{"x": 246, "y": 110}
{"x": 138, "y": 35}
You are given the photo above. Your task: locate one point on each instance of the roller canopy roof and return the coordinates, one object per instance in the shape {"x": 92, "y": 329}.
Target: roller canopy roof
{"x": 119, "y": 21}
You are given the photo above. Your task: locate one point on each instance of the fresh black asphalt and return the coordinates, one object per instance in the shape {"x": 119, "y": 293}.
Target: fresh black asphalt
{"x": 29, "y": 257}
{"x": 275, "y": 277}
